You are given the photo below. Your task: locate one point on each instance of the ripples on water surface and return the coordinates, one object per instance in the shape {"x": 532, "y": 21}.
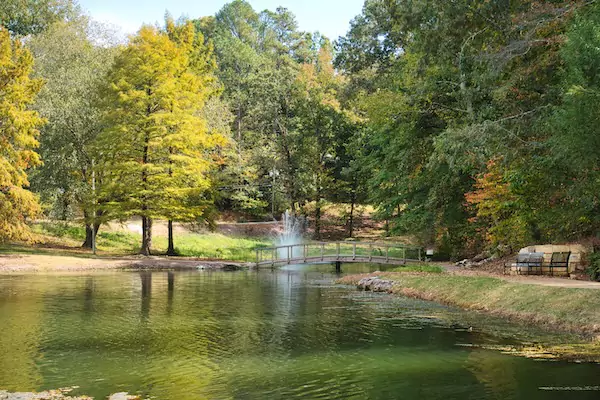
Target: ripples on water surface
{"x": 268, "y": 335}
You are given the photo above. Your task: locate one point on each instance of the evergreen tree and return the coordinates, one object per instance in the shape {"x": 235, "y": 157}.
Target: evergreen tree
{"x": 18, "y": 138}
{"x": 155, "y": 148}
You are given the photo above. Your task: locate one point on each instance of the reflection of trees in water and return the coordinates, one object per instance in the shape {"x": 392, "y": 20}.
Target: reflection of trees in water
{"x": 146, "y": 279}
{"x": 495, "y": 371}
{"x": 241, "y": 335}
{"x": 21, "y": 321}
{"x": 170, "y": 291}
{"x": 88, "y": 296}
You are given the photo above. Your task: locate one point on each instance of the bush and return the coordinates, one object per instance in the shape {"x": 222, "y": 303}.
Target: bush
{"x": 61, "y": 229}
{"x": 594, "y": 269}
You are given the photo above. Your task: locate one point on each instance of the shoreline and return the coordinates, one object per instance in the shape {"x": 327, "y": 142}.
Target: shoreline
{"x": 15, "y": 263}
{"x": 59, "y": 394}
{"x": 554, "y": 309}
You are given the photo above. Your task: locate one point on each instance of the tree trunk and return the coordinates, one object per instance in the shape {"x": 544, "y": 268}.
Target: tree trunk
{"x": 318, "y": 221}
{"x": 146, "y": 221}
{"x": 146, "y": 278}
{"x": 64, "y": 212}
{"x": 351, "y": 218}
{"x": 146, "y": 236}
{"x": 318, "y": 211}
{"x": 171, "y": 250}
{"x": 89, "y": 234}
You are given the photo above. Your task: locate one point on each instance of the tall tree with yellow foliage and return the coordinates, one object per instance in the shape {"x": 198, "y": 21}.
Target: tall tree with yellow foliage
{"x": 156, "y": 149}
{"x": 18, "y": 132}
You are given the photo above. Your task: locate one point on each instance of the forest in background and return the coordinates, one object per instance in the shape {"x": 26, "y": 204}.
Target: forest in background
{"x": 469, "y": 125}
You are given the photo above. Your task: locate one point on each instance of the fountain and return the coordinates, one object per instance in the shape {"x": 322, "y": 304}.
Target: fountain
{"x": 293, "y": 229}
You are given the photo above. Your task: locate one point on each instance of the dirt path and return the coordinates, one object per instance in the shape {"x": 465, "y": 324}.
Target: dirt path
{"x": 525, "y": 279}
{"x": 550, "y": 281}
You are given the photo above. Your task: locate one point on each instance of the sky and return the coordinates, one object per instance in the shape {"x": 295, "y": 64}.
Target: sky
{"x": 330, "y": 17}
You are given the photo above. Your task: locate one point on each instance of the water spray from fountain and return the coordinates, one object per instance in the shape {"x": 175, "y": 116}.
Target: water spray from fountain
{"x": 293, "y": 229}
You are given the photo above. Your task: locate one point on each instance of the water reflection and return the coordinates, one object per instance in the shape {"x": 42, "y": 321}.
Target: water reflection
{"x": 170, "y": 291}
{"x": 275, "y": 335}
{"x": 146, "y": 280}
{"x": 88, "y": 296}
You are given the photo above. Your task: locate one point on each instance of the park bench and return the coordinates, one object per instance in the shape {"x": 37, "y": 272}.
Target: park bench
{"x": 529, "y": 263}
{"x": 560, "y": 261}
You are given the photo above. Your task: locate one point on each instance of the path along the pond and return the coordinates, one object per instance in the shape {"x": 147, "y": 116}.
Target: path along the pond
{"x": 540, "y": 280}
{"x": 10, "y": 263}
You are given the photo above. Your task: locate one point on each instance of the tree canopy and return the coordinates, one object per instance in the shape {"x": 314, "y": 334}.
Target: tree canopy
{"x": 18, "y": 137}
{"x": 468, "y": 125}
{"x": 154, "y": 150}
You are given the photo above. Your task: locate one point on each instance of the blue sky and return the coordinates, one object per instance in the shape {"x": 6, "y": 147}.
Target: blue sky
{"x": 330, "y": 17}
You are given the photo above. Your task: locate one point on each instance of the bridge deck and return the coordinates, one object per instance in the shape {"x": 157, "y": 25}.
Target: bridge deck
{"x": 335, "y": 252}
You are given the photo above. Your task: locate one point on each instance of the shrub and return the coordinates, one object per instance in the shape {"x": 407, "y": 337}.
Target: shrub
{"x": 594, "y": 268}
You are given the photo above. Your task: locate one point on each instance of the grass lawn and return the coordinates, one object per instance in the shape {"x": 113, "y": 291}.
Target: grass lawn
{"x": 422, "y": 268}
{"x": 66, "y": 239}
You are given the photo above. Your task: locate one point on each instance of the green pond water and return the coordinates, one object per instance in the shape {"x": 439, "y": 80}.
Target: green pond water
{"x": 270, "y": 335}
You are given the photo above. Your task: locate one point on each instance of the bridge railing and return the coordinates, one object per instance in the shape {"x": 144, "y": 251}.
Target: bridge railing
{"x": 326, "y": 251}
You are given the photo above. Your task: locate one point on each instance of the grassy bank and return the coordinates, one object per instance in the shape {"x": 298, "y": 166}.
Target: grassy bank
{"x": 66, "y": 239}
{"x": 570, "y": 309}
{"x": 553, "y": 308}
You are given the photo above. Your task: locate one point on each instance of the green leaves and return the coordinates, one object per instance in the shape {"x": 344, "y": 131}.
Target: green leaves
{"x": 26, "y": 17}
{"x": 445, "y": 87}
{"x": 73, "y": 69}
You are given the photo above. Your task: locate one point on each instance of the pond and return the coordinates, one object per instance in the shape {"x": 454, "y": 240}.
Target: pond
{"x": 268, "y": 335}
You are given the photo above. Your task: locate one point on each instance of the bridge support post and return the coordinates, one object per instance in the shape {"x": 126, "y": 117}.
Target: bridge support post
{"x": 338, "y": 266}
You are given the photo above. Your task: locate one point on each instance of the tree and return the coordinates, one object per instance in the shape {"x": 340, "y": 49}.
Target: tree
{"x": 571, "y": 168}
{"x": 74, "y": 69}
{"x": 318, "y": 115}
{"x": 30, "y": 17}
{"x": 446, "y": 87}
{"x": 18, "y": 137}
{"x": 259, "y": 56}
{"x": 154, "y": 150}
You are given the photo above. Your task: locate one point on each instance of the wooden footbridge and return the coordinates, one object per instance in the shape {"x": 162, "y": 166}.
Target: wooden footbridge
{"x": 337, "y": 253}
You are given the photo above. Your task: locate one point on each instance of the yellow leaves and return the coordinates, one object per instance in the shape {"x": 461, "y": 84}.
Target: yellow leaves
{"x": 17, "y": 138}
{"x": 318, "y": 83}
{"x": 494, "y": 201}
{"x": 159, "y": 140}
{"x": 383, "y": 105}
{"x": 577, "y": 90}
{"x": 492, "y": 192}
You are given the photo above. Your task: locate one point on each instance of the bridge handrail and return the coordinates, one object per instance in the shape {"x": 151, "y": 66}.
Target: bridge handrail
{"x": 320, "y": 244}
{"x": 314, "y": 242}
